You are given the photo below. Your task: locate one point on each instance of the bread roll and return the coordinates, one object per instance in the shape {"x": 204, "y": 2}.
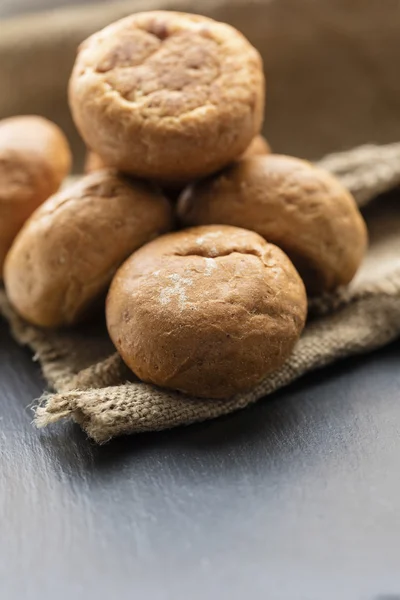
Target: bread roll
{"x": 34, "y": 159}
{"x": 208, "y": 311}
{"x": 300, "y": 208}
{"x": 166, "y": 95}
{"x": 93, "y": 162}
{"x": 258, "y": 146}
{"x": 67, "y": 253}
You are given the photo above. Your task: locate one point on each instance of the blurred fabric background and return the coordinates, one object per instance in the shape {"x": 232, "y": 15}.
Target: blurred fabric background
{"x": 10, "y": 8}
{"x": 331, "y": 65}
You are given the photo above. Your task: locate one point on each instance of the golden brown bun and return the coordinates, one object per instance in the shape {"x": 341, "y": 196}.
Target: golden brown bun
{"x": 68, "y": 251}
{"x": 300, "y": 208}
{"x": 93, "y": 162}
{"x": 208, "y": 311}
{"x": 167, "y": 96}
{"x": 34, "y": 159}
{"x": 258, "y": 146}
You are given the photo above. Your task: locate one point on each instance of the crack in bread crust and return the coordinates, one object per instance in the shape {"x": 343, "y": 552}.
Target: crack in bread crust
{"x": 217, "y": 308}
{"x": 167, "y": 96}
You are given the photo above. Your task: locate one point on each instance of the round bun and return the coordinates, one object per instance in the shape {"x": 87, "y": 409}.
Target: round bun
{"x": 258, "y": 147}
{"x": 68, "y": 251}
{"x": 208, "y": 311}
{"x": 93, "y": 162}
{"x": 166, "y": 95}
{"x": 300, "y": 208}
{"x": 34, "y": 159}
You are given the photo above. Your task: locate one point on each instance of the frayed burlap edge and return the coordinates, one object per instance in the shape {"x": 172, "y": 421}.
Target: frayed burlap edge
{"x": 366, "y": 323}
{"x": 366, "y": 171}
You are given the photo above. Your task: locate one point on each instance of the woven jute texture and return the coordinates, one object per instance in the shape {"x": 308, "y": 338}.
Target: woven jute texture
{"x": 92, "y": 386}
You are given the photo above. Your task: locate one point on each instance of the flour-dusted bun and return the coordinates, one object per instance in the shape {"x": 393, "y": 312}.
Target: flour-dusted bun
{"x": 258, "y": 147}
{"x": 291, "y": 203}
{"x": 68, "y": 251}
{"x": 166, "y": 95}
{"x": 34, "y": 159}
{"x": 208, "y": 311}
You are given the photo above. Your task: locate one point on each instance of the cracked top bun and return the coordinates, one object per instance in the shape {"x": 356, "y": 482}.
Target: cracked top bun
{"x": 208, "y": 311}
{"x": 166, "y": 95}
{"x": 68, "y": 251}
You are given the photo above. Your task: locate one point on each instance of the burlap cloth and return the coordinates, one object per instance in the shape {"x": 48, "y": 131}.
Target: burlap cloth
{"x": 90, "y": 383}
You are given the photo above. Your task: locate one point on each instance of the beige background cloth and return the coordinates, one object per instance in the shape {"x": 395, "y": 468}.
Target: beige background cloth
{"x": 332, "y": 65}
{"x": 333, "y": 83}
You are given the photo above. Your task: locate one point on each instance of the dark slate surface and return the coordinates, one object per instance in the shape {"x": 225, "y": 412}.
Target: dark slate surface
{"x": 296, "y": 498}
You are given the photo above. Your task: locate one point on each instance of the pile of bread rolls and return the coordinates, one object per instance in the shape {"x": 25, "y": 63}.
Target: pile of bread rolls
{"x": 170, "y": 106}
